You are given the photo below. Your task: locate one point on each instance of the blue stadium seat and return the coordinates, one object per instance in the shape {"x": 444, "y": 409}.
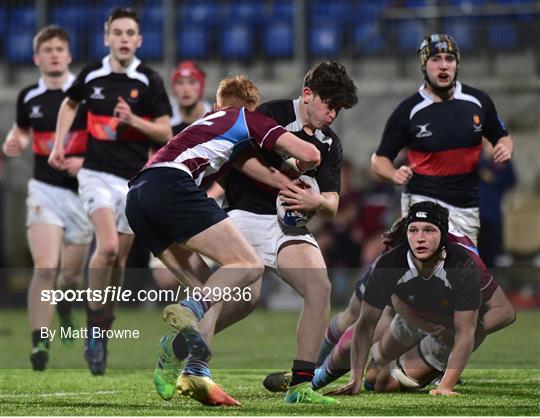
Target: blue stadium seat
{"x": 96, "y": 48}
{"x": 236, "y": 41}
{"x": 367, "y": 37}
{"x": 3, "y": 20}
{"x": 462, "y": 30}
{"x": 325, "y": 39}
{"x": 502, "y": 34}
{"x": 193, "y": 42}
{"x": 246, "y": 11}
{"x": 413, "y": 4}
{"x": 72, "y": 17}
{"x": 278, "y": 39}
{"x": 152, "y": 46}
{"x": 409, "y": 35}
{"x": 22, "y": 18}
{"x": 18, "y": 45}
{"x": 152, "y": 17}
{"x": 366, "y": 10}
{"x": 206, "y": 13}
{"x": 281, "y": 9}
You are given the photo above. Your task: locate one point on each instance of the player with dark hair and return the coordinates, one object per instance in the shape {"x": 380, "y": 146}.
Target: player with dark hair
{"x": 127, "y": 109}
{"x": 58, "y": 229}
{"x": 169, "y": 209}
{"x": 442, "y": 127}
{"x": 294, "y": 253}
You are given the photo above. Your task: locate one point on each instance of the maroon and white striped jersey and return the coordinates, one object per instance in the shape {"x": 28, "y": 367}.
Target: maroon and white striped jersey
{"x": 205, "y": 147}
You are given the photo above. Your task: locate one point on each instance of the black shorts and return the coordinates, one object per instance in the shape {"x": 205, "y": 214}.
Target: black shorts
{"x": 164, "y": 205}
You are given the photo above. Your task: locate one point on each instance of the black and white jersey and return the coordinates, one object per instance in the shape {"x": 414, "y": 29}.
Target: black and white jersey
{"x": 114, "y": 147}
{"x": 444, "y": 141}
{"x": 247, "y": 194}
{"x": 37, "y": 109}
{"x": 454, "y": 285}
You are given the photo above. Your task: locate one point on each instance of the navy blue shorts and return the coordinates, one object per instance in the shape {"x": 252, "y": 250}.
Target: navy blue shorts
{"x": 164, "y": 205}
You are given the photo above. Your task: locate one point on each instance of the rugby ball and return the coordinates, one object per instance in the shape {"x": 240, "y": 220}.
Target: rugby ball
{"x": 295, "y": 218}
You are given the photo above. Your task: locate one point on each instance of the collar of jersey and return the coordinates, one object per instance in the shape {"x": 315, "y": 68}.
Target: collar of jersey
{"x": 439, "y": 267}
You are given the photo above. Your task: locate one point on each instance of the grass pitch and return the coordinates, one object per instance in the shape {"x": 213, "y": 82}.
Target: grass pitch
{"x": 503, "y": 377}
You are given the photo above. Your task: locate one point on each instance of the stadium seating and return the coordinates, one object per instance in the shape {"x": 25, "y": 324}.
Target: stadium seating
{"x": 152, "y": 46}
{"x": 502, "y": 34}
{"x": 278, "y": 39}
{"x": 20, "y": 31}
{"x": 193, "y": 42}
{"x": 367, "y": 37}
{"x": 96, "y": 48}
{"x": 235, "y": 41}
{"x": 409, "y": 34}
{"x": 462, "y": 30}
{"x": 325, "y": 39}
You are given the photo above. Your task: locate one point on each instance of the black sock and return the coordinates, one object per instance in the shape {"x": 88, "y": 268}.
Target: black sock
{"x": 64, "y": 308}
{"x": 36, "y": 338}
{"x": 179, "y": 347}
{"x": 96, "y": 318}
{"x": 302, "y": 371}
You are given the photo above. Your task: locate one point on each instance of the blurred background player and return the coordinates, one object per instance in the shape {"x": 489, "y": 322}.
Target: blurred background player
{"x": 442, "y": 126}
{"x": 495, "y": 180}
{"x": 188, "y": 82}
{"x": 127, "y": 109}
{"x": 58, "y": 228}
{"x": 169, "y": 209}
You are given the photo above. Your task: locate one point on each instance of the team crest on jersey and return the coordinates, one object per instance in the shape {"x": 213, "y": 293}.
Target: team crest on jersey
{"x": 423, "y": 132}
{"x": 477, "y": 123}
{"x": 35, "y": 112}
{"x": 133, "y": 95}
{"x": 98, "y": 93}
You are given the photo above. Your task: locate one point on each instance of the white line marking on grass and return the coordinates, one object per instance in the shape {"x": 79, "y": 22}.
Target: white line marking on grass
{"x": 45, "y": 395}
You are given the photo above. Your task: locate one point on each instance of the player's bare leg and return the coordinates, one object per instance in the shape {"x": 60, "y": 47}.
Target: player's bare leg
{"x": 103, "y": 261}
{"x": 301, "y": 265}
{"x": 45, "y": 242}
{"x": 70, "y": 277}
{"x": 240, "y": 268}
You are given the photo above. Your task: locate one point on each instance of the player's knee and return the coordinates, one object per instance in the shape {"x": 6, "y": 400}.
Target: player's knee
{"x": 318, "y": 291}
{"x": 45, "y": 272}
{"x": 108, "y": 252}
{"x": 254, "y": 269}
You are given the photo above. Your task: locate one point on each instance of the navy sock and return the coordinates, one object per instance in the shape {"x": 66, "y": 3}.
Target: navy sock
{"x": 197, "y": 367}
{"x": 302, "y": 371}
{"x": 179, "y": 347}
{"x": 198, "y": 307}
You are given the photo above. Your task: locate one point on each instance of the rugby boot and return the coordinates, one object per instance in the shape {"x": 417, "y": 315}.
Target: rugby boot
{"x": 167, "y": 369}
{"x": 204, "y": 390}
{"x": 39, "y": 356}
{"x": 95, "y": 354}
{"x": 303, "y": 393}
{"x": 278, "y": 381}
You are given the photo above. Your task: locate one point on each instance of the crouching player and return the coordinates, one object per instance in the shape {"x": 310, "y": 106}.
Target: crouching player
{"x": 496, "y": 313}
{"x": 435, "y": 289}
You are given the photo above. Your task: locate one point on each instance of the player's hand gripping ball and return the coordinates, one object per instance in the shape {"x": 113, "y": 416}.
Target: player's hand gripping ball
{"x": 296, "y": 218}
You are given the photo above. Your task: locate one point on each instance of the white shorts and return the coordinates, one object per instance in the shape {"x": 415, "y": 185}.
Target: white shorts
{"x": 463, "y": 220}
{"x": 266, "y": 235}
{"x": 53, "y": 205}
{"x": 433, "y": 352}
{"x": 103, "y": 190}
